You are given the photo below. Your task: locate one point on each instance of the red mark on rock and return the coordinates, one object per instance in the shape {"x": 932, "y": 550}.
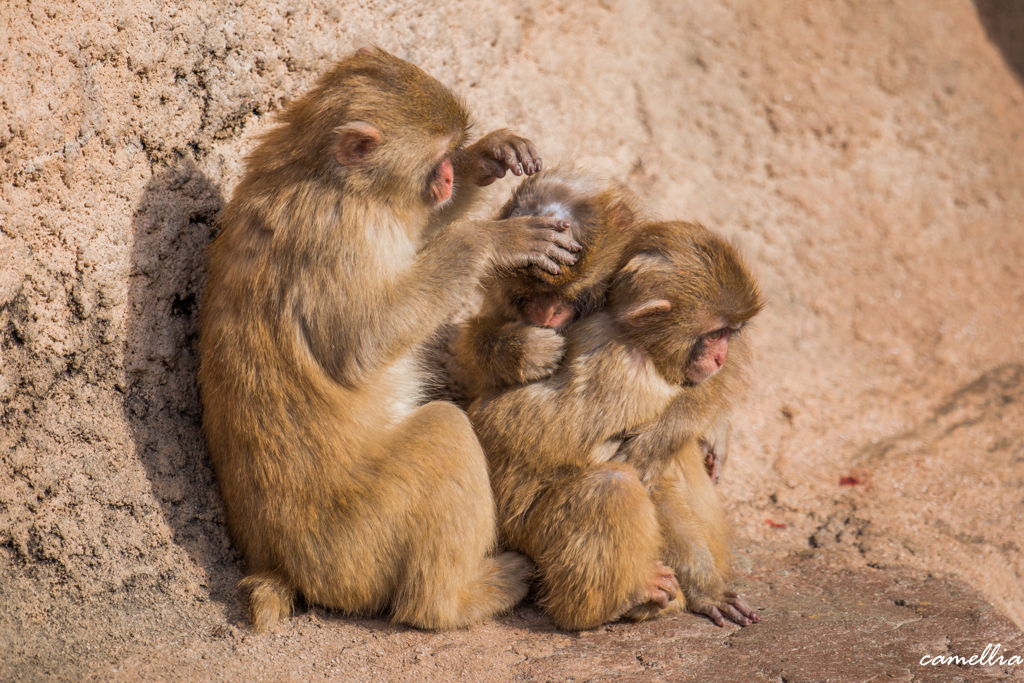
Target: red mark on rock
{"x": 774, "y": 525}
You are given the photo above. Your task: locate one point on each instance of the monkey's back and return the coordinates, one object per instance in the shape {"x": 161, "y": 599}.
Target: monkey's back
{"x": 289, "y": 444}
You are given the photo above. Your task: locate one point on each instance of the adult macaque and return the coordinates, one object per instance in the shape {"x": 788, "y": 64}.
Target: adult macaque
{"x": 598, "y": 470}
{"x": 337, "y": 259}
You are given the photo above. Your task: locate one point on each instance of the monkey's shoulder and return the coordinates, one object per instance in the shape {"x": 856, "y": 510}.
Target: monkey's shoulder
{"x": 600, "y": 356}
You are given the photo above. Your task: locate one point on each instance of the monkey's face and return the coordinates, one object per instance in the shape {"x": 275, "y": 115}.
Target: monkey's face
{"x": 549, "y": 311}
{"x": 684, "y": 354}
{"x": 709, "y": 352}
{"x": 682, "y": 298}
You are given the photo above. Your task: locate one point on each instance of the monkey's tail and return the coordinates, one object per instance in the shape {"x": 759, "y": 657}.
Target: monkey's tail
{"x": 270, "y": 598}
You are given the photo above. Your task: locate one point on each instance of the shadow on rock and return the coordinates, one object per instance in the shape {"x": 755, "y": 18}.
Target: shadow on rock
{"x": 1004, "y": 23}
{"x": 172, "y": 226}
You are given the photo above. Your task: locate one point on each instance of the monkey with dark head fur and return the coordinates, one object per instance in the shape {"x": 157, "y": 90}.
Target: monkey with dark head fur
{"x": 515, "y": 338}
{"x": 338, "y": 258}
{"x": 598, "y": 470}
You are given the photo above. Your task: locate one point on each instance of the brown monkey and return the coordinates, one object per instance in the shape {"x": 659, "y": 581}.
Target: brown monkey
{"x": 335, "y": 262}
{"x": 515, "y": 338}
{"x": 598, "y": 471}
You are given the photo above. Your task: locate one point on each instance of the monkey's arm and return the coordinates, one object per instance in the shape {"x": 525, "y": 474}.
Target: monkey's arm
{"x": 502, "y": 353}
{"x": 358, "y": 330}
{"x": 696, "y": 540}
{"x": 482, "y": 163}
{"x": 651, "y": 447}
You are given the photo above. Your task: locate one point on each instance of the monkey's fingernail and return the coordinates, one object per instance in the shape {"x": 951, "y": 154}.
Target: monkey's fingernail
{"x": 576, "y": 246}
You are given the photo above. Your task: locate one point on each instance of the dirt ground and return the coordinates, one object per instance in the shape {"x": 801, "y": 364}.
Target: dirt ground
{"x": 867, "y": 156}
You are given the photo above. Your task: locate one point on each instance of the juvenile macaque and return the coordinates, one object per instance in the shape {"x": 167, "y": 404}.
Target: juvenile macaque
{"x": 516, "y": 336}
{"x": 598, "y": 470}
{"x": 337, "y": 259}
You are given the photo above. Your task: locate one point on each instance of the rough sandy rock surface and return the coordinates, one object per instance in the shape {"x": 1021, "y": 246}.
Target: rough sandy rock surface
{"x": 868, "y": 156}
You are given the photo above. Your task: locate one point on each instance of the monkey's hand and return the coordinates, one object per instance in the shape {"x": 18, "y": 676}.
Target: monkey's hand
{"x": 730, "y": 605}
{"x": 492, "y": 156}
{"x": 539, "y": 241}
{"x": 648, "y": 448}
{"x": 543, "y": 349}
{"x": 714, "y": 445}
{"x": 498, "y": 355}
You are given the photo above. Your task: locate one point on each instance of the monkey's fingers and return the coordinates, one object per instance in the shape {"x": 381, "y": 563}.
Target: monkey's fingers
{"x": 734, "y": 614}
{"x": 507, "y": 155}
{"x": 547, "y": 255}
{"x": 544, "y": 263}
{"x": 527, "y": 153}
{"x": 670, "y": 588}
{"x": 554, "y": 241}
{"x": 711, "y": 612}
{"x": 562, "y": 234}
{"x": 565, "y": 241}
{"x": 746, "y": 610}
{"x": 557, "y": 249}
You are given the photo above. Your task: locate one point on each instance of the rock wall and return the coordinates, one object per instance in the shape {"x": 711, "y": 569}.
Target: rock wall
{"x": 867, "y": 156}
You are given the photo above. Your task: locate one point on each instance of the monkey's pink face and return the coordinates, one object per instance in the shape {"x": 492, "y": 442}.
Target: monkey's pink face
{"x": 709, "y": 355}
{"x": 549, "y": 311}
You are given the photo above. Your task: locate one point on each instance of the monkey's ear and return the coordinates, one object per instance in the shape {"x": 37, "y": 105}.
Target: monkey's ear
{"x": 358, "y": 140}
{"x": 647, "y": 312}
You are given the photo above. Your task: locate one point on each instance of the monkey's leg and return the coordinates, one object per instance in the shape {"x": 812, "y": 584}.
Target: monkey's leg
{"x": 596, "y": 540}
{"x": 697, "y": 539}
{"x": 449, "y": 580}
{"x": 406, "y": 524}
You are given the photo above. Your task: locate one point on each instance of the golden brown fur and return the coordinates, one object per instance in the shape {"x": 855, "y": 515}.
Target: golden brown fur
{"x": 337, "y": 259}
{"x": 502, "y": 346}
{"x": 598, "y": 471}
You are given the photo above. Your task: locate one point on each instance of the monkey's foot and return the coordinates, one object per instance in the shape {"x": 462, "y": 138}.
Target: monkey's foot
{"x": 657, "y": 595}
{"x": 731, "y": 605}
